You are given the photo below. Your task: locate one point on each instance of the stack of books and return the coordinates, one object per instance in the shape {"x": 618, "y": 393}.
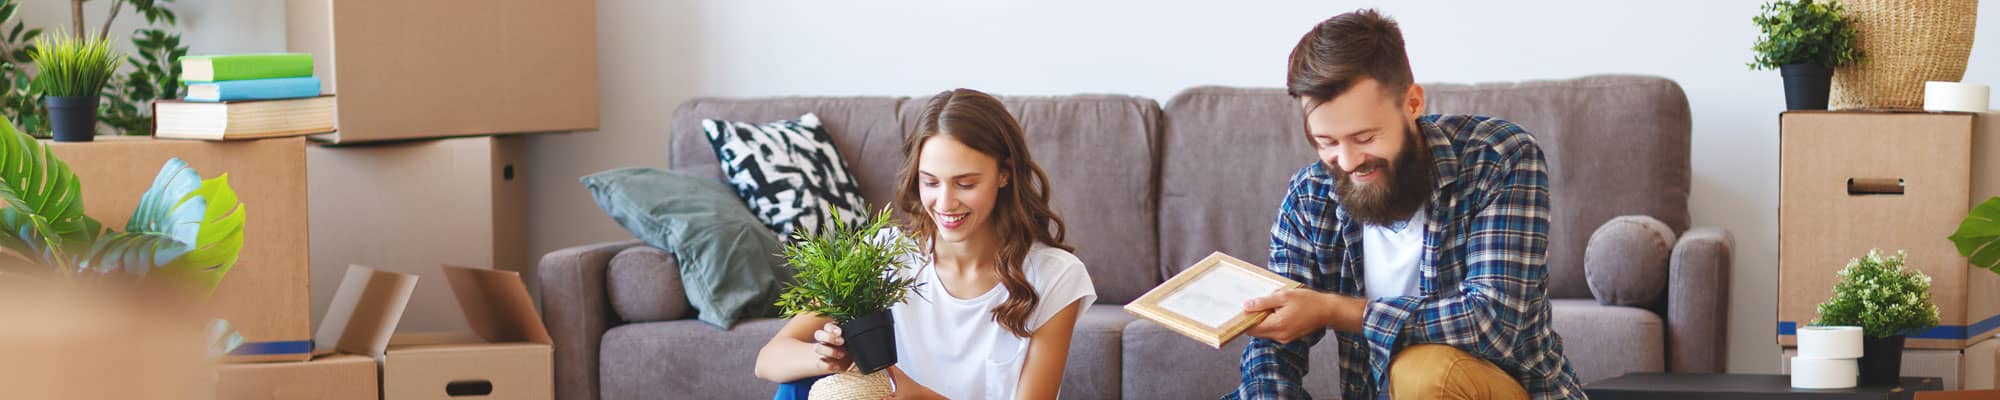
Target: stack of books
{"x": 245, "y": 96}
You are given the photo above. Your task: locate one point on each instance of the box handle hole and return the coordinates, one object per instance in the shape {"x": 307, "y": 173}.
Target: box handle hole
{"x": 1874, "y": 186}
{"x": 480, "y": 387}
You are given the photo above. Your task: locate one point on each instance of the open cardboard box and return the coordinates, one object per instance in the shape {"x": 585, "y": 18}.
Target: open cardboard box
{"x": 508, "y": 354}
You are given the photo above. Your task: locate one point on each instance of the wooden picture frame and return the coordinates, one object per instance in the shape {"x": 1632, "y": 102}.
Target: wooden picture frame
{"x": 1205, "y": 301}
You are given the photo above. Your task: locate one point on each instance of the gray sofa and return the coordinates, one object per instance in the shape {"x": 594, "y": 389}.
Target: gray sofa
{"x": 1148, "y": 190}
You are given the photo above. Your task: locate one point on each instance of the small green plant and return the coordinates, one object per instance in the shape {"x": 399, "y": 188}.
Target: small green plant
{"x": 1804, "y": 32}
{"x": 73, "y": 66}
{"x": 845, "y": 271}
{"x": 1978, "y": 237}
{"x": 20, "y": 101}
{"x": 1882, "y": 296}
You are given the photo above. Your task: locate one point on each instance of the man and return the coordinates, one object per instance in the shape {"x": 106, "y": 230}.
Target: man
{"x": 1421, "y": 239}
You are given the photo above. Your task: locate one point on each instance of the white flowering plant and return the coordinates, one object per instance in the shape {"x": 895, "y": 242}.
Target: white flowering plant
{"x": 1881, "y": 295}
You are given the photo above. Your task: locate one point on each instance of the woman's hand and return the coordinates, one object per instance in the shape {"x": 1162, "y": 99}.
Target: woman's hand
{"x": 831, "y": 349}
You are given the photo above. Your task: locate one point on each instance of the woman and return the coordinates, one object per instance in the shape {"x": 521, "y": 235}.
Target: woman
{"x": 1001, "y": 291}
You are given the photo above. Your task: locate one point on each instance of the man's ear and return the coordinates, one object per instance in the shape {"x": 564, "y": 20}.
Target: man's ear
{"x": 1413, "y": 100}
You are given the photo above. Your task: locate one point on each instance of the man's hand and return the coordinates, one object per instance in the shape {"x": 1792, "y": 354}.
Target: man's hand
{"x": 1297, "y": 312}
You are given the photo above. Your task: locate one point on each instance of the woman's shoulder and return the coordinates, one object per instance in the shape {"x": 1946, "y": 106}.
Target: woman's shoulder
{"x": 1049, "y": 261}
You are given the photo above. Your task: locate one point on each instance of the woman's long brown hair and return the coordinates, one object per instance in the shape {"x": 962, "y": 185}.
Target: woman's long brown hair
{"x": 1022, "y": 213}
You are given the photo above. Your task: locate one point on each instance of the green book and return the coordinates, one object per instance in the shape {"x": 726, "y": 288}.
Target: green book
{"x": 237, "y": 67}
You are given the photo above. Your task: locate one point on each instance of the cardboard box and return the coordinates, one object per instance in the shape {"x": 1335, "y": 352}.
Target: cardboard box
{"x": 411, "y": 206}
{"x": 508, "y": 354}
{"x": 334, "y": 377}
{"x": 1971, "y": 368}
{"x": 429, "y": 69}
{"x": 265, "y": 295}
{"x": 1831, "y": 210}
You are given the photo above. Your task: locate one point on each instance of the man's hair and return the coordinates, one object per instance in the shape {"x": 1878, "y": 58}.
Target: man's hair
{"x": 1342, "y": 50}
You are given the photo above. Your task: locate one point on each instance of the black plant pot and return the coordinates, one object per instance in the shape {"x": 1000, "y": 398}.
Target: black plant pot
{"x": 871, "y": 341}
{"x": 74, "y": 118}
{"x": 1806, "y": 85}
{"x": 1881, "y": 360}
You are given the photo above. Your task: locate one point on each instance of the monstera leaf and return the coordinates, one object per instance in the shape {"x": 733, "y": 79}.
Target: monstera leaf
{"x": 185, "y": 228}
{"x": 44, "y": 216}
{"x": 1978, "y": 237}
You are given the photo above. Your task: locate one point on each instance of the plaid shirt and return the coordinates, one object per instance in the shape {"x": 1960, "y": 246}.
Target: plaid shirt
{"x": 1484, "y": 275}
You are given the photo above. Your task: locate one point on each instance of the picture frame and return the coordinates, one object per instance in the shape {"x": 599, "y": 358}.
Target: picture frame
{"x": 1205, "y": 301}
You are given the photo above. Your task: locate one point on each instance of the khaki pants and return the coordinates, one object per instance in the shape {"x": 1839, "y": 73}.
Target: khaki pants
{"x": 1435, "y": 371}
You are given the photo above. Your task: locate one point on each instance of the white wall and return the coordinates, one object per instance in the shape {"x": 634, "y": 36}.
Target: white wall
{"x": 654, "y": 54}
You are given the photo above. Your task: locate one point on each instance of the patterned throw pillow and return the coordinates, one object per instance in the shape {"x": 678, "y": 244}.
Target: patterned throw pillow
{"x": 788, "y": 172}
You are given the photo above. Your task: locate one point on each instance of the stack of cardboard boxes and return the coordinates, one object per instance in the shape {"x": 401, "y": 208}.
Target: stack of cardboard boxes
{"x": 1854, "y": 181}
{"x": 417, "y": 176}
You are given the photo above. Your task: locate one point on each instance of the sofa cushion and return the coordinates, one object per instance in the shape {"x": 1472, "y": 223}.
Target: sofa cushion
{"x": 678, "y": 359}
{"x": 728, "y": 260}
{"x": 1616, "y": 145}
{"x": 1626, "y": 261}
{"x": 788, "y": 172}
{"x": 644, "y": 284}
{"x": 865, "y": 129}
{"x": 1162, "y": 364}
{"x": 1096, "y": 362}
{"x": 1099, "y": 151}
{"x": 1607, "y": 341}
{"x": 1210, "y": 201}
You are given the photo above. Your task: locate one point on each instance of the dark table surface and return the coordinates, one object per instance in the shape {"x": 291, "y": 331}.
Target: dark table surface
{"x": 1646, "y": 386}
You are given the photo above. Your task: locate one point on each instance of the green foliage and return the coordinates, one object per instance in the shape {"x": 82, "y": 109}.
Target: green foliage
{"x": 73, "y": 66}
{"x": 20, "y": 101}
{"x": 185, "y": 229}
{"x": 155, "y": 75}
{"x": 1882, "y": 296}
{"x": 1804, "y": 32}
{"x": 1978, "y": 237}
{"x": 845, "y": 272}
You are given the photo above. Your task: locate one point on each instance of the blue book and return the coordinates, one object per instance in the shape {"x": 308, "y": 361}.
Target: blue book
{"x": 254, "y": 89}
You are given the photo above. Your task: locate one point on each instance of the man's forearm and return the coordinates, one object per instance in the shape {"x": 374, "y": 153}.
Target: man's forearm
{"x": 1348, "y": 313}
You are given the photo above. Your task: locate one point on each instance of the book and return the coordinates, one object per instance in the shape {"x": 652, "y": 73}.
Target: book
{"x": 254, "y": 89}
{"x": 237, "y": 67}
{"x": 236, "y": 120}
{"x": 1205, "y": 301}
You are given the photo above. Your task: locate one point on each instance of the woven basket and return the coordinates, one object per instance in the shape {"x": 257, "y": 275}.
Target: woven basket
{"x": 1906, "y": 42}
{"x": 851, "y": 385}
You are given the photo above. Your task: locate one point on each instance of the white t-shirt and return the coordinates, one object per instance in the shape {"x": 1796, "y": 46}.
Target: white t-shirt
{"x": 1390, "y": 258}
{"x": 954, "y": 346}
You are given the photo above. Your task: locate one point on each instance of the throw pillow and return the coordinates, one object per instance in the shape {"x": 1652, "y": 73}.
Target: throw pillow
{"x": 729, "y": 262}
{"x": 1625, "y": 261}
{"x": 788, "y": 172}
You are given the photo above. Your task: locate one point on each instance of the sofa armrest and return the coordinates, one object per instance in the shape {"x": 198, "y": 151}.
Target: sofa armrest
{"x": 577, "y": 311}
{"x": 1698, "y": 302}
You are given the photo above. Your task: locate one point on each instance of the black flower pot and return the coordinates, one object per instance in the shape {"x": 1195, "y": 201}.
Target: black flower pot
{"x": 74, "y": 118}
{"x": 1881, "y": 360}
{"x": 1806, "y": 85}
{"x": 871, "y": 341}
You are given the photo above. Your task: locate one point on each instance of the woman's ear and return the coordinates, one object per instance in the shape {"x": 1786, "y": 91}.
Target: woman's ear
{"x": 1004, "y": 178}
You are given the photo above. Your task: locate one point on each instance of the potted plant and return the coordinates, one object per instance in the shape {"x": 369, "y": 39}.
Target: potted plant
{"x": 1888, "y": 300}
{"x": 72, "y": 73}
{"x": 1978, "y": 236}
{"x": 849, "y": 274}
{"x": 1804, "y": 41}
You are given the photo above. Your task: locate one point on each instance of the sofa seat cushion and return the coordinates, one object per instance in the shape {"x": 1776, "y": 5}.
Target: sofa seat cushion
{"x": 1095, "y": 354}
{"x": 1162, "y": 364}
{"x": 1607, "y": 341}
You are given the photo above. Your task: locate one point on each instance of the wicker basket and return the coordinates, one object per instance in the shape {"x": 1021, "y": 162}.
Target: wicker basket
{"x": 851, "y": 385}
{"x": 1906, "y": 42}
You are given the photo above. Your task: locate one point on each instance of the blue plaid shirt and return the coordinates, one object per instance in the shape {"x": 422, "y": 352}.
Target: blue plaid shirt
{"x": 1484, "y": 285}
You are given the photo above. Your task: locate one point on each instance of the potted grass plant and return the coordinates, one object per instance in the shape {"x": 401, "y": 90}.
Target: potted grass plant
{"x": 852, "y": 275}
{"x": 1804, "y": 41}
{"x": 1889, "y": 301}
{"x": 72, "y": 73}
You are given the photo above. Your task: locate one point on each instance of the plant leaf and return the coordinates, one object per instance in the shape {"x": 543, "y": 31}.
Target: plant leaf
{"x": 1978, "y": 237}
{"x": 219, "y": 239}
{"x": 44, "y": 201}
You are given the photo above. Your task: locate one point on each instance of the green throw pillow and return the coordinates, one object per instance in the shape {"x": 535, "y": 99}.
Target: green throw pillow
{"x": 729, "y": 261}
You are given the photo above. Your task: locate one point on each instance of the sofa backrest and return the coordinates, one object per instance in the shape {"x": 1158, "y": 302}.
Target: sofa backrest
{"x": 1099, "y": 150}
{"x": 1616, "y": 145}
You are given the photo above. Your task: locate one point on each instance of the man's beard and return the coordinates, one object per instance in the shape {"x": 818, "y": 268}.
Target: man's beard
{"x": 1405, "y": 190}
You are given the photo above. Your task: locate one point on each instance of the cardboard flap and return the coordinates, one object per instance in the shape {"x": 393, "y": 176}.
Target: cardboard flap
{"x": 365, "y": 311}
{"x": 497, "y": 305}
